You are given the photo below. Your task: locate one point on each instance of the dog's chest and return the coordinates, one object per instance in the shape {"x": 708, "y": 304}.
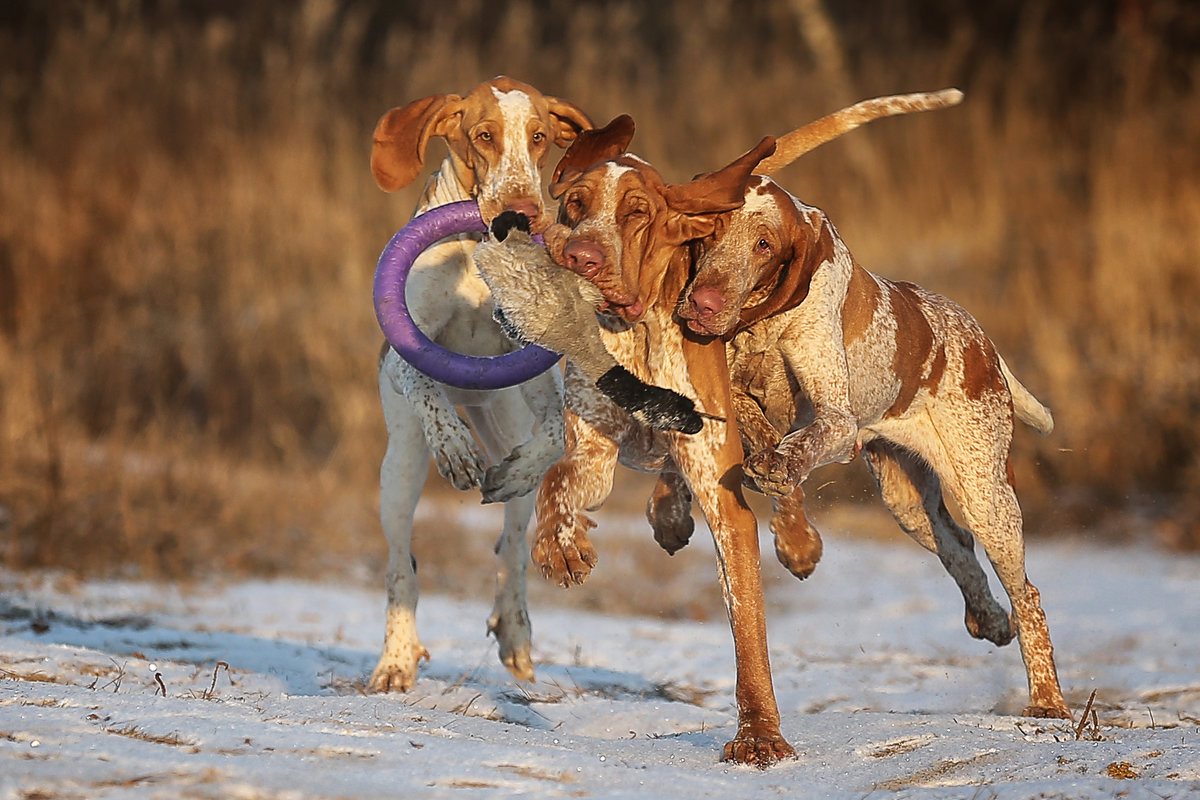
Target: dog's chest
{"x": 757, "y": 368}
{"x": 652, "y": 349}
{"x": 450, "y": 302}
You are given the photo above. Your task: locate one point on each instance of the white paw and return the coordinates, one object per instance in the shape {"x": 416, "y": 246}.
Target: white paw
{"x": 520, "y": 472}
{"x": 458, "y": 458}
{"x": 397, "y": 671}
{"x": 514, "y": 640}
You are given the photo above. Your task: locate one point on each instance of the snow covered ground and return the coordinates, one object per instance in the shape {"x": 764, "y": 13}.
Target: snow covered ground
{"x": 254, "y": 690}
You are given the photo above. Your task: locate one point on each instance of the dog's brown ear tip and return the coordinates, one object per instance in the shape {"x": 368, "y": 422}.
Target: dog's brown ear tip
{"x": 623, "y": 123}
{"x": 386, "y": 182}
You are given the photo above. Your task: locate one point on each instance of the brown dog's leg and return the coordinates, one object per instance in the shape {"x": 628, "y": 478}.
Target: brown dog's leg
{"x": 711, "y": 460}
{"x": 797, "y": 543}
{"x": 580, "y": 480}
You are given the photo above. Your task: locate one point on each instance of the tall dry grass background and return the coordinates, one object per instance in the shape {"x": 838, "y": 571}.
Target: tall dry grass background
{"x": 188, "y": 231}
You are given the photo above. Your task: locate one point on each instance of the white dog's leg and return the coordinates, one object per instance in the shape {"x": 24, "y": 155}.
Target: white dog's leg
{"x": 522, "y": 469}
{"x": 454, "y": 451}
{"x": 401, "y": 478}
{"x": 509, "y": 621}
{"x": 503, "y": 422}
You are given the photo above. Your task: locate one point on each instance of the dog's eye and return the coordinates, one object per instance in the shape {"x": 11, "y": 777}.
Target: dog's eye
{"x": 763, "y": 246}
{"x": 484, "y": 136}
{"x": 539, "y": 137}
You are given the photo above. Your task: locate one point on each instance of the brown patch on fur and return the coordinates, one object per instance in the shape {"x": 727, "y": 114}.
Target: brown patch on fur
{"x": 934, "y": 379}
{"x": 914, "y": 341}
{"x": 862, "y": 298}
{"x": 1012, "y": 476}
{"x": 981, "y": 369}
{"x": 591, "y": 148}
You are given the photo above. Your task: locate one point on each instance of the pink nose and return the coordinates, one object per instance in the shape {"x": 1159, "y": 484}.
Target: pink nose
{"x": 584, "y": 258}
{"x": 527, "y": 207}
{"x": 706, "y": 301}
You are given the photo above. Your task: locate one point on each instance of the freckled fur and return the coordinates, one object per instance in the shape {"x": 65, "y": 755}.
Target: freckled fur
{"x": 646, "y": 261}
{"x": 520, "y": 429}
{"x": 904, "y": 373}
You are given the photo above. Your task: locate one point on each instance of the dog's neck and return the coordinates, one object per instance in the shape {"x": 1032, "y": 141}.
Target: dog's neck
{"x": 444, "y": 187}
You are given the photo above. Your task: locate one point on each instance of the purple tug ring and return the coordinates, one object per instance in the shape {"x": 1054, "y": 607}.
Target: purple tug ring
{"x": 391, "y": 309}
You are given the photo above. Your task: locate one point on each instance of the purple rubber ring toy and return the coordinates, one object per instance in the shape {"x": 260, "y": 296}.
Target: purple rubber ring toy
{"x": 391, "y": 309}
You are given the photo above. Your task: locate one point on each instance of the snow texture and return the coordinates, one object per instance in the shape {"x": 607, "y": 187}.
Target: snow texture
{"x": 255, "y": 690}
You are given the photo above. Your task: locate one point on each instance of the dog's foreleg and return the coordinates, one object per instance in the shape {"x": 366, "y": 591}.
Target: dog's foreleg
{"x": 520, "y": 472}
{"x": 454, "y": 451}
{"x": 401, "y": 478}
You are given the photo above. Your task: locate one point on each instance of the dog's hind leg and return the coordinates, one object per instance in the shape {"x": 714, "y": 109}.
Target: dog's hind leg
{"x": 913, "y": 493}
{"x": 989, "y": 506}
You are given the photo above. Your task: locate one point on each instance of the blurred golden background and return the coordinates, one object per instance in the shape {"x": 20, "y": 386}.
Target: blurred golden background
{"x": 188, "y": 233}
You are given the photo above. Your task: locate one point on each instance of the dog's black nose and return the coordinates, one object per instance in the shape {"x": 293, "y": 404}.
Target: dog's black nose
{"x": 506, "y": 221}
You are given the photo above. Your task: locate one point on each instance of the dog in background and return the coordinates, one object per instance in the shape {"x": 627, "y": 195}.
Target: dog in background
{"x": 498, "y": 135}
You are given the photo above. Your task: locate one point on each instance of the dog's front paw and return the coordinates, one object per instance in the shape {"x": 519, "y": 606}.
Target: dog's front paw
{"x": 521, "y": 471}
{"x": 798, "y": 549}
{"x": 512, "y": 633}
{"x": 563, "y": 553}
{"x": 758, "y": 749}
{"x": 458, "y": 458}
{"x": 397, "y": 670}
{"x": 774, "y": 473}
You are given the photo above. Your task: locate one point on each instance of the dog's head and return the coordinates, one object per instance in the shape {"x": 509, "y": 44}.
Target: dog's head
{"x": 758, "y": 263}
{"x": 499, "y": 135}
{"x": 620, "y": 224}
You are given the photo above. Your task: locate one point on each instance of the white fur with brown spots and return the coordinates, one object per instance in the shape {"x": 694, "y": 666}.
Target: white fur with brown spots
{"x": 904, "y": 374}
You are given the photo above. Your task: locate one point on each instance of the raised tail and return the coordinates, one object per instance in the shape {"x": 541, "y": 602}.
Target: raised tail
{"x": 1027, "y": 407}
{"x": 792, "y": 145}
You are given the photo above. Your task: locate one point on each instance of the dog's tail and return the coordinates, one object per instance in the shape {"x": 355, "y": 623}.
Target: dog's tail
{"x": 792, "y": 145}
{"x": 1027, "y": 407}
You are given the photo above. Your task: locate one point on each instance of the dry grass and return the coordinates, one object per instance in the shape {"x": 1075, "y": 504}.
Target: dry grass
{"x": 187, "y": 346}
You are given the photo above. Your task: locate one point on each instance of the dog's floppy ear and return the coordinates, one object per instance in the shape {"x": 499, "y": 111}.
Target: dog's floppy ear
{"x": 812, "y": 245}
{"x": 591, "y": 147}
{"x": 569, "y": 121}
{"x": 402, "y": 134}
{"x": 696, "y": 204}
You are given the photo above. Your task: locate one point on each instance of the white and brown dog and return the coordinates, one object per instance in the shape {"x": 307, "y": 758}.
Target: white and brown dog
{"x": 499, "y": 135}
{"x": 902, "y": 373}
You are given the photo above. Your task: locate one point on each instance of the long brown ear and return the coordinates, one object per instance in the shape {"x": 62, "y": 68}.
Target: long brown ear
{"x": 810, "y": 249}
{"x": 693, "y": 207}
{"x": 591, "y": 147}
{"x": 800, "y": 141}
{"x": 402, "y": 134}
{"x": 570, "y": 121}
{"x": 722, "y": 190}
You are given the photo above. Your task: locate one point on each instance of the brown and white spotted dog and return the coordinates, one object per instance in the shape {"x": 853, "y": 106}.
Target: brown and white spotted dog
{"x": 902, "y": 373}
{"x": 499, "y": 135}
{"x": 619, "y": 218}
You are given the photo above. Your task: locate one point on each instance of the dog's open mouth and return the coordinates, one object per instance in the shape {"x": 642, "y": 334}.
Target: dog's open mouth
{"x": 696, "y": 326}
